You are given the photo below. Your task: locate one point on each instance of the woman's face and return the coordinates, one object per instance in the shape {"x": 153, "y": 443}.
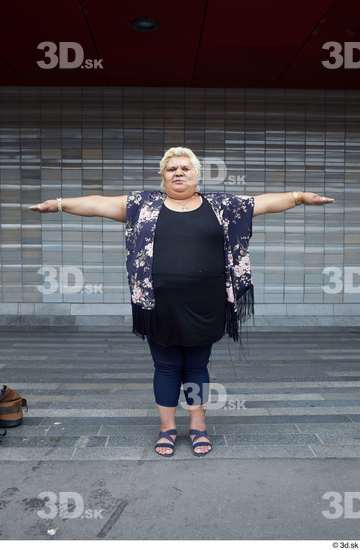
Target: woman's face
{"x": 179, "y": 176}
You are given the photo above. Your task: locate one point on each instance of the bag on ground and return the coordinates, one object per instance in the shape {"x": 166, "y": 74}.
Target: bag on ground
{"x": 11, "y": 404}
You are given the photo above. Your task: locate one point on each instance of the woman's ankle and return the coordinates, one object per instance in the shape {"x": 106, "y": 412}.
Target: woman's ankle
{"x": 201, "y": 427}
{"x": 197, "y": 418}
{"x": 166, "y": 427}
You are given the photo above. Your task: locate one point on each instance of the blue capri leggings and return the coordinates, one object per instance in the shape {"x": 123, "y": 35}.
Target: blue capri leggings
{"x": 176, "y": 365}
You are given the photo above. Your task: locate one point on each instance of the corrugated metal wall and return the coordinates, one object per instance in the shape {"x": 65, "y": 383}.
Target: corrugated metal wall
{"x": 71, "y": 142}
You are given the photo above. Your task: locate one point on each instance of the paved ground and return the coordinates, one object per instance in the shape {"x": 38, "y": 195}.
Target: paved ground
{"x": 287, "y": 433}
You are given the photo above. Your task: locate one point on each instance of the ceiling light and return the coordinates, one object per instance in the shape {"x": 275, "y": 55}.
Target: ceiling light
{"x": 144, "y": 24}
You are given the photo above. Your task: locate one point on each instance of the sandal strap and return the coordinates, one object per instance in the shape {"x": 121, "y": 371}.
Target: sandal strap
{"x": 165, "y": 436}
{"x": 199, "y": 433}
{"x": 201, "y": 444}
{"x": 165, "y": 445}
{"x": 173, "y": 431}
{"x": 168, "y": 438}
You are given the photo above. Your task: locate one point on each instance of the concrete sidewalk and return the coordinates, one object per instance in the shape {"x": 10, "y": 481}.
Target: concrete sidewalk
{"x": 292, "y": 403}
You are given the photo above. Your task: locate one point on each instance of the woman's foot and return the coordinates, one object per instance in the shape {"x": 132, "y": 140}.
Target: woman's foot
{"x": 168, "y": 440}
{"x": 196, "y": 438}
{"x": 198, "y": 422}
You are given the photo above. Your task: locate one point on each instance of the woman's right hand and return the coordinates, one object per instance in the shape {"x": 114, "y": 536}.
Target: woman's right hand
{"x": 50, "y": 205}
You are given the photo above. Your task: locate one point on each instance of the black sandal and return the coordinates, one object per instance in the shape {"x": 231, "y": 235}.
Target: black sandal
{"x": 199, "y": 433}
{"x": 166, "y": 435}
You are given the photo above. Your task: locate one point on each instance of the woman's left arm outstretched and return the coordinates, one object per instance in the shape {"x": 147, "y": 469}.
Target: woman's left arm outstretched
{"x": 271, "y": 203}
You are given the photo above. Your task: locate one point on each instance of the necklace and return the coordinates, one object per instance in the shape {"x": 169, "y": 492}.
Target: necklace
{"x": 184, "y": 207}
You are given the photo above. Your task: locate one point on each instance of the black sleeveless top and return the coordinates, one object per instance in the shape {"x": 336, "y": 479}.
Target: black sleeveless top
{"x": 188, "y": 278}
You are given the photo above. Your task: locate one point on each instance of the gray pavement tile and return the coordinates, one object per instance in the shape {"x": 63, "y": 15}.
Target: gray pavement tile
{"x": 30, "y": 421}
{"x": 112, "y": 401}
{"x": 279, "y": 419}
{"x": 270, "y": 395}
{"x": 346, "y": 394}
{"x": 96, "y": 441}
{"x": 136, "y": 429}
{"x": 39, "y": 404}
{"x": 30, "y": 454}
{"x": 146, "y": 440}
{"x": 271, "y": 439}
{"x": 58, "y": 378}
{"x": 95, "y": 423}
{"x": 76, "y": 422}
{"x": 26, "y": 431}
{"x": 255, "y": 428}
{"x": 330, "y": 427}
{"x": 233, "y": 388}
{"x": 309, "y": 411}
{"x": 113, "y": 453}
{"x": 250, "y": 451}
{"x": 336, "y": 451}
{"x": 338, "y": 438}
{"x": 73, "y": 429}
{"x": 184, "y": 452}
{"x": 120, "y": 427}
{"x": 86, "y": 392}
{"x": 303, "y": 403}
{"x": 314, "y": 410}
{"x": 14, "y": 441}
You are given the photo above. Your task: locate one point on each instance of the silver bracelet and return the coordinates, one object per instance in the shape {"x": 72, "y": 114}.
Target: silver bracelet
{"x": 59, "y": 204}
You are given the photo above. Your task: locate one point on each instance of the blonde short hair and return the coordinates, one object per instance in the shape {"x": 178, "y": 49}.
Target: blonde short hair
{"x": 180, "y": 152}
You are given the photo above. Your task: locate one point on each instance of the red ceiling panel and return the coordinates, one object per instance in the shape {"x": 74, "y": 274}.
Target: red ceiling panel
{"x": 23, "y": 25}
{"x": 341, "y": 24}
{"x": 260, "y": 24}
{"x": 163, "y": 56}
{"x": 250, "y": 44}
{"x": 207, "y": 43}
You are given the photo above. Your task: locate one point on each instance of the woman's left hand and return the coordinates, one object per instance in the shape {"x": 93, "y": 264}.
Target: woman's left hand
{"x": 313, "y": 198}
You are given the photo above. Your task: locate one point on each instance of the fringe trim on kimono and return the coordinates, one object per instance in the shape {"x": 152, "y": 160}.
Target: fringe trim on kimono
{"x": 245, "y": 311}
{"x": 141, "y": 320}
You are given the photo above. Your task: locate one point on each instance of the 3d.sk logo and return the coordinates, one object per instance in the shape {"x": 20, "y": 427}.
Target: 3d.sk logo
{"x": 342, "y": 55}
{"x": 59, "y": 56}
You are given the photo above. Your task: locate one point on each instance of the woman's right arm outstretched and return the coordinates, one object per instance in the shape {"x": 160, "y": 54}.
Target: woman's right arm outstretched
{"x": 113, "y": 208}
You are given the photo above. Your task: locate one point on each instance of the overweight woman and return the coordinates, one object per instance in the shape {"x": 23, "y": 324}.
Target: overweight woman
{"x": 189, "y": 277}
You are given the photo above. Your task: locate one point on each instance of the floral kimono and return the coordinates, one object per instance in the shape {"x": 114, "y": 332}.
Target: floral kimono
{"x": 234, "y": 214}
